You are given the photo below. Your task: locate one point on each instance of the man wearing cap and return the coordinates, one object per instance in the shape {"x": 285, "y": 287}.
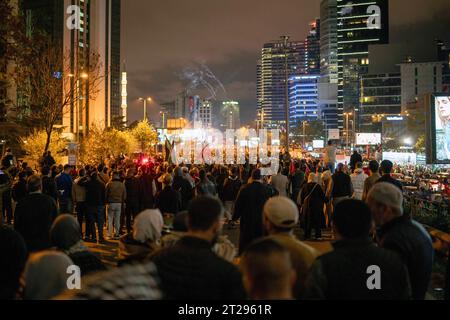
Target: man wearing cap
{"x": 403, "y": 235}
{"x": 280, "y": 218}
{"x": 249, "y": 207}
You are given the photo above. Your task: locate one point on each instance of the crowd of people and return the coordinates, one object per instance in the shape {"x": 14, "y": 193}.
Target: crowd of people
{"x": 168, "y": 221}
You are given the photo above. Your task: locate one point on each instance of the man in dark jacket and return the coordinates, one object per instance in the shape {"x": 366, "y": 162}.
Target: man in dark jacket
{"x": 95, "y": 203}
{"x": 342, "y": 185}
{"x": 296, "y": 181}
{"x": 19, "y": 189}
{"x": 132, "y": 206}
{"x": 49, "y": 184}
{"x": 168, "y": 201}
{"x": 190, "y": 270}
{"x": 357, "y": 269}
{"x": 147, "y": 189}
{"x": 5, "y": 196}
{"x": 183, "y": 186}
{"x": 249, "y": 208}
{"x": 401, "y": 234}
{"x": 34, "y": 216}
{"x": 64, "y": 185}
{"x": 230, "y": 191}
{"x": 386, "y": 170}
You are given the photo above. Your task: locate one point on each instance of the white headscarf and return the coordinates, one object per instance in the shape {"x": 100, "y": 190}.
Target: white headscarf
{"x": 148, "y": 226}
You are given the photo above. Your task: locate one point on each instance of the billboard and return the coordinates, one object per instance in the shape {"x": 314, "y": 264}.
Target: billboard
{"x": 438, "y": 129}
{"x": 401, "y": 158}
{"x": 368, "y": 139}
{"x": 333, "y": 134}
{"x": 318, "y": 144}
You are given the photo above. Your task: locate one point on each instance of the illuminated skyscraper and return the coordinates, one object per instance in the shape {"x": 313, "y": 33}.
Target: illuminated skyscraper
{"x": 360, "y": 23}
{"x": 231, "y": 115}
{"x": 271, "y": 78}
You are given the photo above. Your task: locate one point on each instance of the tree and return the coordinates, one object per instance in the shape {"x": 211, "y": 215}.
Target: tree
{"x": 35, "y": 143}
{"x": 51, "y": 86}
{"x": 145, "y": 135}
{"x": 420, "y": 146}
{"x": 103, "y": 143}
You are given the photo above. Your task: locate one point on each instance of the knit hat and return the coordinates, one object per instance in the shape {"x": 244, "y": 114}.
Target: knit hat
{"x": 282, "y": 212}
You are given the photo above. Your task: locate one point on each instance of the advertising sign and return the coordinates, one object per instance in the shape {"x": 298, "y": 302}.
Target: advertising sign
{"x": 441, "y": 126}
{"x": 368, "y": 139}
{"x": 401, "y": 158}
{"x": 334, "y": 134}
{"x": 318, "y": 144}
{"x": 72, "y": 154}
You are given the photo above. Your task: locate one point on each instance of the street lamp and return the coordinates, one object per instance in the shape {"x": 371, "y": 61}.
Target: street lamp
{"x": 149, "y": 99}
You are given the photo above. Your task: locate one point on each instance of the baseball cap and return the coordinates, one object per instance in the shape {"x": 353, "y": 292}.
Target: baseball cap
{"x": 282, "y": 212}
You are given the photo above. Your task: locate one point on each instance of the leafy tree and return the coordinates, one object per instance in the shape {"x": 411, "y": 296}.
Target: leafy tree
{"x": 34, "y": 146}
{"x": 145, "y": 135}
{"x": 104, "y": 143}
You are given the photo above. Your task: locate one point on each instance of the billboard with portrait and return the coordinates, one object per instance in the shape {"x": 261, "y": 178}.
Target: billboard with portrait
{"x": 438, "y": 129}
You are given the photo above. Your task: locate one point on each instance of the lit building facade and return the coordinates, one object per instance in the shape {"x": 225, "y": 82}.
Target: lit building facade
{"x": 99, "y": 31}
{"x": 303, "y": 99}
{"x": 360, "y": 23}
{"x": 419, "y": 79}
{"x": 230, "y": 113}
{"x": 380, "y": 98}
{"x": 328, "y": 41}
{"x": 204, "y": 114}
{"x": 278, "y": 59}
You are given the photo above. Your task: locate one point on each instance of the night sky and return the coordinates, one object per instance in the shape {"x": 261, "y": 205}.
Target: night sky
{"x": 161, "y": 39}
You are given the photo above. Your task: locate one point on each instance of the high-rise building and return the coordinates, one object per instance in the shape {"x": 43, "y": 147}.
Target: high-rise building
{"x": 230, "y": 113}
{"x": 303, "y": 99}
{"x": 98, "y": 30}
{"x": 328, "y": 41}
{"x": 419, "y": 79}
{"x": 360, "y": 23}
{"x": 278, "y": 59}
{"x": 204, "y": 114}
{"x": 380, "y": 98}
{"x": 312, "y": 48}
{"x": 328, "y": 65}
{"x": 443, "y": 54}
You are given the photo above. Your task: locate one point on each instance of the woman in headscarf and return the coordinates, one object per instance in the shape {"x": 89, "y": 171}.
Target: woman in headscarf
{"x": 66, "y": 236}
{"x": 14, "y": 256}
{"x": 45, "y": 275}
{"x": 311, "y": 199}
{"x": 144, "y": 240}
{"x": 327, "y": 186}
